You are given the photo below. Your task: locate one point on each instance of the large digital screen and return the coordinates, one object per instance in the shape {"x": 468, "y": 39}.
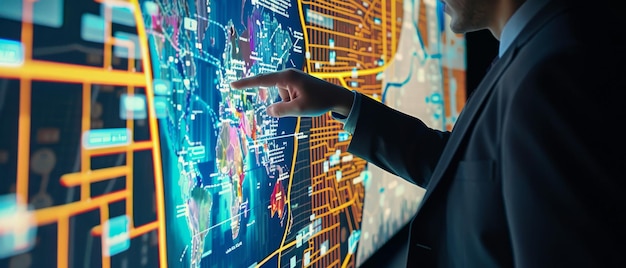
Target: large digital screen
{"x": 123, "y": 145}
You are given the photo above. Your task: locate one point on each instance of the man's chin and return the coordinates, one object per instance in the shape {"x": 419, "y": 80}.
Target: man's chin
{"x": 455, "y": 28}
{"x": 458, "y": 27}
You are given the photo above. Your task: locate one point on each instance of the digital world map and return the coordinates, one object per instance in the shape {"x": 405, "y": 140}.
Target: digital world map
{"x": 227, "y": 164}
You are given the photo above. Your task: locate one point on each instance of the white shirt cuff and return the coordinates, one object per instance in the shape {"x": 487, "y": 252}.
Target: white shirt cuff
{"x": 349, "y": 122}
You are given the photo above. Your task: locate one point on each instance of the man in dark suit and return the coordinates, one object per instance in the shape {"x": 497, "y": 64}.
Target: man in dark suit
{"x": 532, "y": 175}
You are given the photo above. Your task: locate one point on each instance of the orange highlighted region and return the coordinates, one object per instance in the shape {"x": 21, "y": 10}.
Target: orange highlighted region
{"x": 45, "y": 71}
{"x": 353, "y": 54}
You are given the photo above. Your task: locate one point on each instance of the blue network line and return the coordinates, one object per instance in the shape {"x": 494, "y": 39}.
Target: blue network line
{"x": 426, "y": 55}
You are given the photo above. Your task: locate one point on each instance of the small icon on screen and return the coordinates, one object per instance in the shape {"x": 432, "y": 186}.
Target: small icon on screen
{"x": 162, "y": 87}
{"x": 133, "y": 106}
{"x": 160, "y": 106}
{"x": 106, "y": 137}
{"x": 11, "y": 53}
{"x": 116, "y": 235}
{"x": 17, "y": 227}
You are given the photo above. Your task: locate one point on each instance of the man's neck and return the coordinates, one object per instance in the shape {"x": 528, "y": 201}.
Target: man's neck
{"x": 502, "y": 13}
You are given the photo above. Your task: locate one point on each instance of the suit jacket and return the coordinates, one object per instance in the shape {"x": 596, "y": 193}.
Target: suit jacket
{"x": 532, "y": 174}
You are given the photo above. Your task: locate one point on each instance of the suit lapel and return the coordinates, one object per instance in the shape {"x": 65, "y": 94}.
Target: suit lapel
{"x": 484, "y": 89}
{"x": 467, "y": 117}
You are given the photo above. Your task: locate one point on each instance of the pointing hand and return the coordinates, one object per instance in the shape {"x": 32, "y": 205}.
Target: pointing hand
{"x": 301, "y": 94}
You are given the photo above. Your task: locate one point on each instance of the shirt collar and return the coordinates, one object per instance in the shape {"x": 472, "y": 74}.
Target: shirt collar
{"x": 517, "y": 22}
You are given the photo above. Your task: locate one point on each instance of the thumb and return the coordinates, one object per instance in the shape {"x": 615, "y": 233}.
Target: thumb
{"x": 282, "y": 109}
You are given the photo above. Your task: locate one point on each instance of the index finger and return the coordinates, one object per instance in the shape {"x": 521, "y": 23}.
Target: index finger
{"x": 260, "y": 80}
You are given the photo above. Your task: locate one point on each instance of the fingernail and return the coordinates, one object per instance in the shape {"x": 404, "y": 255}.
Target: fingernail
{"x": 271, "y": 111}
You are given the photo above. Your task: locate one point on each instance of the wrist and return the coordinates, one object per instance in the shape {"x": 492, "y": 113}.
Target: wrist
{"x": 343, "y": 102}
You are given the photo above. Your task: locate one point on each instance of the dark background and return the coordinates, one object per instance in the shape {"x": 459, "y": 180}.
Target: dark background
{"x": 481, "y": 48}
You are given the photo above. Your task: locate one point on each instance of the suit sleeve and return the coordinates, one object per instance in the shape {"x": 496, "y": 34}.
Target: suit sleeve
{"x": 396, "y": 142}
{"x": 562, "y": 163}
